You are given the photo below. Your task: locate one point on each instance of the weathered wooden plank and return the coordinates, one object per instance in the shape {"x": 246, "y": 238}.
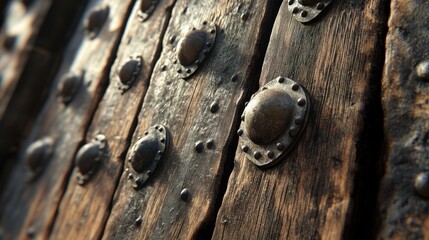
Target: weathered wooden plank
{"x": 308, "y": 195}
{"x": 84, "y": 210}
{"x": 405, "y": 93}
{"x": 157, "y": 211}
{"x": 28, "y": 208}
{"x": 35, "y": 39}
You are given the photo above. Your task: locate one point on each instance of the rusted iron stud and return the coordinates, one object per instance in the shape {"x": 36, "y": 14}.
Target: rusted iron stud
{"x": 69, "y": 86}
{"x": 37, "y": 156}
{"x": 273, "y": 120}
{"x": 187, "y": 54}
{"x": 128, "y": 73}
{"x": 307, "y": 10}
{"x": 146, "y": 9}
{"x": 145, "y": 155}
{"x": 95, "y": 20}
{"x": 89, "y": 157}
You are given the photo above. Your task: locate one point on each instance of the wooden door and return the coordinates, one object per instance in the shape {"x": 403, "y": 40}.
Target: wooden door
{"x": 86, "y": 83}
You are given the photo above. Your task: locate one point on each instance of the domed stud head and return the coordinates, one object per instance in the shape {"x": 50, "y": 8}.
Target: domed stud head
{"x": 89, "y": 157}
{"x": 146, "y": 9}
{"x": 421, "y": 184}
{"x": 270, "y": 124}
{"x": 95, "y": 21}
{"x": 69, "y": 86}
{"x": 146, "y": 153}
{"x": 307, "y": 10}
{"x": 129, "y": 72}
{"x": 191, "y": 50}
{"x": 37, "y": 156}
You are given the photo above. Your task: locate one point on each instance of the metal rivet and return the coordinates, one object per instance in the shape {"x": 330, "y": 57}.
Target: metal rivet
{"x": 422, "y": 70}
{"x": 146, "y": 9}
{"x": 295, "y": 86}
{"x": 244, "y": 16}
{"x": 179, "y": 70}
{"x": 281, "y": 79}
{"x": 301, "y": 102}
{"x": 199, "y": 146}
{"x": 299, "y": 120}
{"x": 9, "y": 42}
{"x": 31, "y": 232}
{"x": 295, "y": 10}
{"x": 172, "y": 39}
{"x": 320, "y": 6}
{"x": 234, "y": 78}
{"x": 280, "y": 146}
{"x": 293, "y": 131}
{"x": 270, "y": 154}
{"x": 184, "y": 194}
{"x": 37, "y": 155}
{"x": 213, "y": 31}
{"x": 304, "y": 14}
{"x": 69, "y": 86}
{"x": 138, "y": 221}
{"x": 257, "y": 154}
{"x": 245, "y": 148}
{"x": 89, "y": 157}
{"x": 210, "y": 143}
{"x": 163, "y": 68}
{"x": 240, "y": 132}
{"x": 95, "y": 20}
{"x": 205, "y": 23}
{"x": 27, "y": 3}
{"x": 421, "y": 184}
{"x": 146, "y": 153}
{"x": 291, "y": 2}
{"x": 214, "y": 107}
{"x": 242, "y": 117}
{"x": 309, "y": 9}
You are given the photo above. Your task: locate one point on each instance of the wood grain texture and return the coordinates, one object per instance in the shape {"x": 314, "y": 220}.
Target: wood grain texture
{"x": 183, "y": 106}
{"x": 403, "y": 213}
{"x": 27, "y": 67}
{"x": 84, "y": 210}
{"x": 29, "y": 208}
{"x": 308, "y": 195}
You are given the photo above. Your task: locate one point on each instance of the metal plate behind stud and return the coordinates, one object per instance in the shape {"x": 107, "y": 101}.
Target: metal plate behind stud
{"x": 307, "y": 10}
{"x": 146, "y": 9}
{"x": 89, "y": 157}
{"x": 145, "y": 155}
{"x": 273, "y": 121}
{"x": 37, "y": 156}
{"x": 128, "y": 73}
{"x": 198, "y": 42}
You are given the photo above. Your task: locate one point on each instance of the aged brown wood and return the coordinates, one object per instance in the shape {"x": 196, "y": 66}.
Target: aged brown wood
{"x": 28, "y": 208}
{"x": 308, "y": 195}
{"x": 183, "y": 106}
{"x": 27, "y": 66}
{"x": 84, "y": 210}
{"x": 404, "y": 213}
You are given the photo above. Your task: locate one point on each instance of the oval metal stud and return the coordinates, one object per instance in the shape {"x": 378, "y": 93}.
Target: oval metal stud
{"x": 421, "y": 184}
{"x": 95, "y": 21}
{"x": 129, "y": 72}
{"x": 307, "y": 10}
{"x": 37, "y": 156}
{"x": 89, "y": 157}
{"x": 146, "y": 153}
{"x": 146, "y": 9}
{"x": 270, "y": 123}
{"x": 68, "y": 87}
{"x": 190, "y": 51}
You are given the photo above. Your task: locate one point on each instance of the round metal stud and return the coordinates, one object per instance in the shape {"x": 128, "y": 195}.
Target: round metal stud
{"x": 129, "y": 72}
{"x": 138, "y": 221}
{"x": 273, "y": 120}
{"x": 146, "y": 153}
{"x": 88, "y": 158}
{"x": 69, "y": 86}
{"x": 146, "y": 9}
{"x": 192, "y": 48}
{"x": 307, "y": 10}
{"x": 422, "y": 70}
{"x": 37, "y": 156}
{"x": 184, "y": 194}
{"x": 9, "y": 42}
{"x": 210, "y": 143}
{"x": 199, "y": 146}
{"x": 421, "y": 184}
{"x": 214, "y": 107}
{"x": 95, "y": 21}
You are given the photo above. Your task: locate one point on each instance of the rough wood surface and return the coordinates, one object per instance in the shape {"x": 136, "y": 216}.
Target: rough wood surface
{"x": 404, "y": 214}
{"x": 84, "y": 210}
{"x": 39, "y": 34}
{"x": 308, "y": 195}
{"x": 183, "y": 106}
{"x": 29, "y": 208}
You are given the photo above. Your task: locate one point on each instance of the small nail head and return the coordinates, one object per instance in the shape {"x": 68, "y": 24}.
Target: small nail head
{"x": 422, "y": 70}
{"x": 199, "y": 146}
{"x": 421, "y": 184}
{"x": 184, "y": 194}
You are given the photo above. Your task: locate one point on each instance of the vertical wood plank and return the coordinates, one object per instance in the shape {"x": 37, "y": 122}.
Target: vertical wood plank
{"x": 405, "y": 91}
{"x": 308, "y": 195}
{"x": 28, "y": 208}
{"x": 183, "y": 106}
{"x": 84, "y": 210}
